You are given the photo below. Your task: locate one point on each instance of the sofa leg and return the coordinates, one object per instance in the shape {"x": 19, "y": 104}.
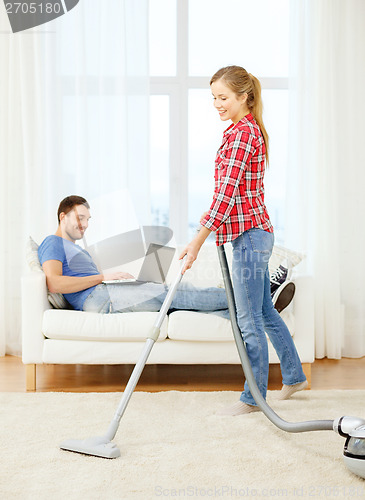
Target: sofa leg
{"x": 31, "y": 377}
{"x": 307, "y": 369}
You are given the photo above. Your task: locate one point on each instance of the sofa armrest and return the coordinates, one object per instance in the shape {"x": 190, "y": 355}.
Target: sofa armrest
{"x": 34, "y": 303}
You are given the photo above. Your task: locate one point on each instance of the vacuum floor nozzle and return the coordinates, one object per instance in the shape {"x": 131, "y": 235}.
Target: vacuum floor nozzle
{"x": 96, "y": 446}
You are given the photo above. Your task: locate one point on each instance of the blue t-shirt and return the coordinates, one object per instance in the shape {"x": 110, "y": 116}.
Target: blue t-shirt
{"x": 75, "y": 262}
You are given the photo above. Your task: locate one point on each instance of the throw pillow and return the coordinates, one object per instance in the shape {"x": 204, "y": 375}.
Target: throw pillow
{"x": 57, "y": 300}
{"x": 282, "y": 255}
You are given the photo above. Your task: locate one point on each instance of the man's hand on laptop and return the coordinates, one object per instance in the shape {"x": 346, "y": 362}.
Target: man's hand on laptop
{"x": 118, "y": 275}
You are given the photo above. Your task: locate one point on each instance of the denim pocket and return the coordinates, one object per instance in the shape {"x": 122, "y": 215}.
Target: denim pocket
{"x": 261, "y": 241}
{"x": 239, "y": 242}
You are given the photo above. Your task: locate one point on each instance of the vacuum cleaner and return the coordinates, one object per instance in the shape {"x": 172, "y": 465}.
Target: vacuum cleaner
{"x": 351, "y": 428}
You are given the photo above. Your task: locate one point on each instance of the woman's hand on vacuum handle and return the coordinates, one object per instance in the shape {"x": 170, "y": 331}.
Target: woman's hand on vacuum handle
{"x": 191, "y": 252}
{"x": 192, "y": 249}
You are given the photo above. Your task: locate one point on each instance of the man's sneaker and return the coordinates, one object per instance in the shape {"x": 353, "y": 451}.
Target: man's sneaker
{"x": 278, "y": 277}
{"x": 283, "y": 295}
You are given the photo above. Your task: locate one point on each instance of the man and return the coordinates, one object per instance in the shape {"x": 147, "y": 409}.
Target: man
{"x": 70, "y": 270}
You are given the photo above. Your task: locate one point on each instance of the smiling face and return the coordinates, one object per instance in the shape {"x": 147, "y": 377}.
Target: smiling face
{"x": 229, "y": 105}
{"x": 74, "y": 224}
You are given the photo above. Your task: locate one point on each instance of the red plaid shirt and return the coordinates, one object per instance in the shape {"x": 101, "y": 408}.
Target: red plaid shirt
{"x": 238, "y": 200}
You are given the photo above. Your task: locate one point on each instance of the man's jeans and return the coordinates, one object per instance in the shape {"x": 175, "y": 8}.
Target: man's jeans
{"x": 256, "y": 313}
{"x": 132, "y": 297}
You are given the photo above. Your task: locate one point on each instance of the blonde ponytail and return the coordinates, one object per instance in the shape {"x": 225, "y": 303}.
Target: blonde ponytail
{"x": 241, "y": 82}
{"x": 257, "y": 110}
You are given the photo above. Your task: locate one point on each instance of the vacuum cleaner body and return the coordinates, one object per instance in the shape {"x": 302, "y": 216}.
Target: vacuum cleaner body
{"x": 354, "y": 451}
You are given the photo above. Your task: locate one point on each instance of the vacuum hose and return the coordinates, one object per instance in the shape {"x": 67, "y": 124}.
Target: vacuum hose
{"x": 311, "y": 425}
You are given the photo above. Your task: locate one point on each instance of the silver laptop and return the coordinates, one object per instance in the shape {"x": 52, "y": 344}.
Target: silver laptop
{"x": 155, "y": 266}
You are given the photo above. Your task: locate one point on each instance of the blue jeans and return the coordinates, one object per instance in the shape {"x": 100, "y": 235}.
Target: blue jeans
{"x": 257, "y": 314}
{"x": 131, "y": 297}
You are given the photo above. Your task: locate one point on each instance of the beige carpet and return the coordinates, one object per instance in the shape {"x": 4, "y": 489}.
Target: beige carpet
{"x": 173, "y": 446}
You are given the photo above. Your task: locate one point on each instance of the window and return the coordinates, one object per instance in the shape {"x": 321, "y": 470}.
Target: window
{"x": 189, "y": 41}
{"x": 250, "y": 34}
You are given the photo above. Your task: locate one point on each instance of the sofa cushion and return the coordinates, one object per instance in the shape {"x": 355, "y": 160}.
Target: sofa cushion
{"x": 198, "y": 326}
{"x": 208, "y": 327}
{"x": 79, "y": 325}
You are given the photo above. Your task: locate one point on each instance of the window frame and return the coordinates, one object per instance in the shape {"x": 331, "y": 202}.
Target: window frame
{"x": 177, "y": 88}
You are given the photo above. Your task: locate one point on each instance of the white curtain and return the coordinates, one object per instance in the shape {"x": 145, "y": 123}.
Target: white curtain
{"x": 74, "y": 119}
{"x": 326, "y": 178}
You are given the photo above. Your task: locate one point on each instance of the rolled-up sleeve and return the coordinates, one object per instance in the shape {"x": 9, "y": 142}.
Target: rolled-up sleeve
{"x": 230, "y": 165}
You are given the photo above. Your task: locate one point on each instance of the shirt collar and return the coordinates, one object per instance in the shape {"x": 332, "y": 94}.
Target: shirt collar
{"x": 238, "y": 126}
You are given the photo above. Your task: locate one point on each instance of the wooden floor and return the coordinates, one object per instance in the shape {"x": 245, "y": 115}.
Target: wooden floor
{"x": 326, "y": 374}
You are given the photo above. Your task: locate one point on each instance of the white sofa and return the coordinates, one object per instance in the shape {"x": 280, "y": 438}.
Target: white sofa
{"x": 71, "y": 337}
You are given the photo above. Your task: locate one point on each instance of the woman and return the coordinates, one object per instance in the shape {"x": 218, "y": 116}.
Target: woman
{"x": 238, "y": 214}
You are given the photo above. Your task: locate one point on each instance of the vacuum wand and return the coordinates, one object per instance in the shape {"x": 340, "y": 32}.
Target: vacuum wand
{"x": 137, "y": 371}
{"x": 102, "y": 446}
